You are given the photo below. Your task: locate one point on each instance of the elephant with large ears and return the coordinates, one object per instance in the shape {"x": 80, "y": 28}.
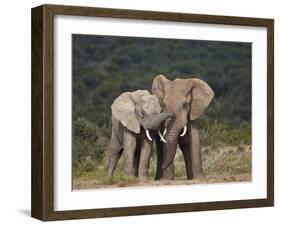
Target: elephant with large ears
{"x": 136, "y": 116}
{"x": 188, "y": 99}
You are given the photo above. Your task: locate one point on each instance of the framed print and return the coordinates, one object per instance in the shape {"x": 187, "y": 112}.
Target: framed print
{"x": 141, "y": 112}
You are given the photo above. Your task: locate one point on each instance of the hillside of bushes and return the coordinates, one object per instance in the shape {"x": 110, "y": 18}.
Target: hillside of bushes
{"x": 105, "y": 66}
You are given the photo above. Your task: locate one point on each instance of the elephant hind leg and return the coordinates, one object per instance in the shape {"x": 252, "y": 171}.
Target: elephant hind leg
{"x": 113, "y": 159}
{"x": 115, "y": 153}
{"x": 129, "y": 152}
{"x": 195, "y": 149}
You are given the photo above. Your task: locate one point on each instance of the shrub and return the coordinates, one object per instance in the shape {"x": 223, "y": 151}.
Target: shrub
{"x": 89, "y": 145}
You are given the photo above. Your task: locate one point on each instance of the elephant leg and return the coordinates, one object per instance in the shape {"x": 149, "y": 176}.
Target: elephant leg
{"x": 195, "y": 147}
{"x": 113, "y": 159}
{"x": 129, "y": 152}
{"x": 136, "y": 162}
{"x": 187, "y": 159}
{"x": 145, "y": 158}
{"x": 167, "y": 173}
{"x": 159, "y": 149}
{"x": 115, "y": 153}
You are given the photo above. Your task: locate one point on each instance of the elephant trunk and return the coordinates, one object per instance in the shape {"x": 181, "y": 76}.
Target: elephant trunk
{"x": 155, "y": 122}
{"x": 172, "y": 143}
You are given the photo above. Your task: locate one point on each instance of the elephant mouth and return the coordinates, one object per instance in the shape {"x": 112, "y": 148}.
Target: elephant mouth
{"x": 154, "y": 123}
{"x": 162, "y": 136}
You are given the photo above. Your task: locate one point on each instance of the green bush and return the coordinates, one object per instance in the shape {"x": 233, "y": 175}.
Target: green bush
{"x": 89, "y": 145}
{"x": 106, "y": 66}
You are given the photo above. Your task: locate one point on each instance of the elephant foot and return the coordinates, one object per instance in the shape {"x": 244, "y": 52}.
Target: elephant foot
{"x": 168, "y": 173}
{"x": 198, "y": 176}
{"x": 167, "y": 176}
{"x": 157, "y": 177}
{"x": 128, "y": 180}
{"x": 129, "y": 172}
{"x": 109, "y": 173}
{"x": 197, "y": 173}
{"x": 143, "y": 179}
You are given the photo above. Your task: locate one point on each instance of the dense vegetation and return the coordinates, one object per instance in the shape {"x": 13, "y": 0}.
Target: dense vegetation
{"x": 106, "y": 66}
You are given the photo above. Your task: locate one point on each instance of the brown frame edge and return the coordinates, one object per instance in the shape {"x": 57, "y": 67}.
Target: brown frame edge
{"x": 42, "y": 197}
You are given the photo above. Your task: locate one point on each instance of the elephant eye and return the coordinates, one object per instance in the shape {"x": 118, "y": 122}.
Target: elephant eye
{"x": 185, "y": 104}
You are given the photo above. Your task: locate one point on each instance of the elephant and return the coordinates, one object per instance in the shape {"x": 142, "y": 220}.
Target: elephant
{"x": 188, "y": 99}
{"x": 136, "y": 116}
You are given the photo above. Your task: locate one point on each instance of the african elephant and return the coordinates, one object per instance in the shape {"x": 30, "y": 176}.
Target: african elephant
{"x": 135, "y": 118}
{"x": 188, "y": 99}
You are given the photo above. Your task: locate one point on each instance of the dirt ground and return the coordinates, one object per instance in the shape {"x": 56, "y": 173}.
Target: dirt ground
{"x": 79, "y": 184}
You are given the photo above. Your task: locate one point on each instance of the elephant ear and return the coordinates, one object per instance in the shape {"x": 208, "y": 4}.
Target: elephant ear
{"x": 123, "y": 109}
{"x": 202, "y": 95}
{"x": 158, "y": 86}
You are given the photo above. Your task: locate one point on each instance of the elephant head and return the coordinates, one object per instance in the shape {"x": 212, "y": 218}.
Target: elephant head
{"x": 188, "y": 99}
{"x": 139, "y": 109}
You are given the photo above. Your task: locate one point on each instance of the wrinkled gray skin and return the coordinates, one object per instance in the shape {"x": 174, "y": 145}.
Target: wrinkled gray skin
{"x": 132, "y": 114}
{"x": 188, "y": 99}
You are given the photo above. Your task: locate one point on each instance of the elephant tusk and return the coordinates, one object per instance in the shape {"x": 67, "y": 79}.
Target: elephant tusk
{"x": 148, "y": 135}
{"x": 184, "y": 131}
{"x": 165, "y": 131}
{"x": 161, "y": 137}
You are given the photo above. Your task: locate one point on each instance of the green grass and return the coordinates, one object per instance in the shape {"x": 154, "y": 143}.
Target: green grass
{"x": 221, "y": 134}
{"x": 228, "y": 160}
{"x": 98, "y": 177}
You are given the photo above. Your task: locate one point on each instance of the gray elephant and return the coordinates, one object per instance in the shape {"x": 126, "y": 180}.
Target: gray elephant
{"x": 188, "y": 99}
{"x": 136, "y": 117}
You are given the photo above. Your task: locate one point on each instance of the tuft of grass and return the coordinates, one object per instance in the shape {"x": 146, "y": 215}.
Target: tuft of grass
{"x": 99, "y": 178}
{"x": 228, "y": 160}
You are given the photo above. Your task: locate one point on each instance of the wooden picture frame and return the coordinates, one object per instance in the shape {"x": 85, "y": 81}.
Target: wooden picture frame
{"x": 42, "y": 203}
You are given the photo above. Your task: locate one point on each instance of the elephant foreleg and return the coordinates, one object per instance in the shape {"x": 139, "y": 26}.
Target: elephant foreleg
{"x": 136, "y": 162}
{"x": 167, "y": 173}
{"x": 187, "y": 159}
{"x": 129, "y": 152}
{"x": 195, "y": 148}
{"x": 145, "y": 159}
{"x": 159, "y": 149}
